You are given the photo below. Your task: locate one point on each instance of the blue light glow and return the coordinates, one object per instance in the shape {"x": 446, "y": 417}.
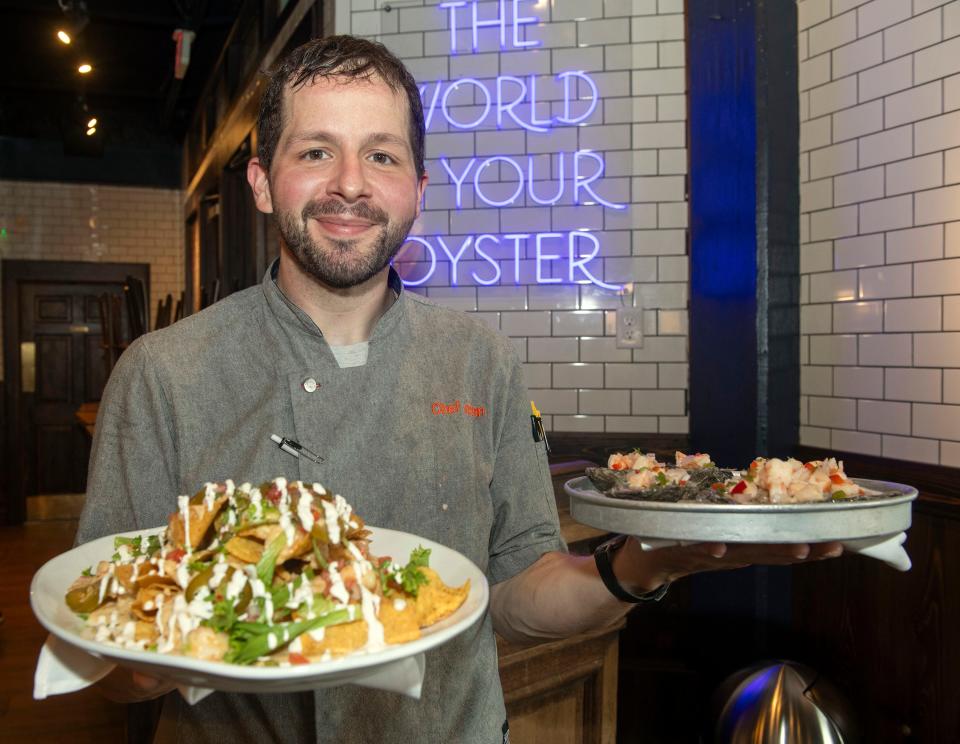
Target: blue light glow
{"x": 509, "y": 92}
{"x": 500, "y": 21}
{"x": 516, "y": 102}
{"x": 578, "y": 269}
{"x": 456, "y": 86}
{"x": 476, "y": 181}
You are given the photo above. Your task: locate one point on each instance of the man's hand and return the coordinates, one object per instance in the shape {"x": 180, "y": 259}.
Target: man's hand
{"x": 639, "y": 571}
{"x": 124, "y": 685}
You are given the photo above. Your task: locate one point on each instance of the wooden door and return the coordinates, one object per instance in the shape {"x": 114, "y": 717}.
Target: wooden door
{"x": 62, "y": 366}
{"x": 53, "y": 363}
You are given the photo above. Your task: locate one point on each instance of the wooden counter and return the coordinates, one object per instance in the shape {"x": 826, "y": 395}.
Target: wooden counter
{"x": 564, "y": 691}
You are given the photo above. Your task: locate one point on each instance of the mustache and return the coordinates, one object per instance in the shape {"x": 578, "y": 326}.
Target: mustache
{"x": 334, "y": 207}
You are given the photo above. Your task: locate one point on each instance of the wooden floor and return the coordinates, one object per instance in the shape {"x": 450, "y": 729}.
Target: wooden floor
{"x": 77, "y": 718}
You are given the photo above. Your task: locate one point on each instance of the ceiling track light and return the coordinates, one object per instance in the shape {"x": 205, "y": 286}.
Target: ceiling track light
{"x": 91, "y": 131}
{"x": 92, "y": 123}
{"x": 85, "y": 68}
{"x": 77, "y": 17}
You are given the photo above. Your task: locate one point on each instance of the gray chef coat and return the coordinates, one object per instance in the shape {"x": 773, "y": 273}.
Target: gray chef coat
{"x": 431, "y": 436}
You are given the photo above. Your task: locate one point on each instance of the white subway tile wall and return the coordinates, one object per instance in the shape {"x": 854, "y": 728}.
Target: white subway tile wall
{"x": 52, "y": 221}
{"x": 880, "y": 207}
{"x": 633, "y": 50}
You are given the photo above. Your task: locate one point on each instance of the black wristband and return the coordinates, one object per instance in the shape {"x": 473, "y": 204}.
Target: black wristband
{"x": 603, "y": 556}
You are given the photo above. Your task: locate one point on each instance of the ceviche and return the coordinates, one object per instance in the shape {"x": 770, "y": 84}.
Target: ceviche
{"x": 697, "y": 478}
{"x": 274, "y": 574}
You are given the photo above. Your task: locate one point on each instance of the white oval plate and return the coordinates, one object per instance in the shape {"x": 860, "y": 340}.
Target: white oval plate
{"x": 50, "y": 584}
{"x": 756, "y": 523}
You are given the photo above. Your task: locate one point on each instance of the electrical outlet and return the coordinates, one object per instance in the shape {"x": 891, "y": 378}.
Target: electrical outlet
{"x": 629, "y": 327}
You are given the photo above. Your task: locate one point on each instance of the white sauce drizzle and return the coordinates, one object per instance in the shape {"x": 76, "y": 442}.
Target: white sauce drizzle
{"x": 183, "y": 503}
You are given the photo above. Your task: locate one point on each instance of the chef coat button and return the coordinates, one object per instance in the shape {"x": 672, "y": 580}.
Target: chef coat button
{"x": 443, "y": 506}
{"x": 310, "y": 385}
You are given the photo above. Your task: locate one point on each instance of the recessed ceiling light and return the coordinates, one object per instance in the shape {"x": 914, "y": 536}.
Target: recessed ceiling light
{"x": 64, "y": 36}
{"x": 84, "y": 68}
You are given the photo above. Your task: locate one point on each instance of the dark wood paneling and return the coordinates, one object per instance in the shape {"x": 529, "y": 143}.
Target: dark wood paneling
{"x": 53, "y": 308}
{"x": 891, "y": 640}
{"x": 54, "y": 362}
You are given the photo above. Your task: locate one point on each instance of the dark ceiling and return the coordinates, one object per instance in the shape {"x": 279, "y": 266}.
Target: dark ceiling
{"x": 132, "y": 89}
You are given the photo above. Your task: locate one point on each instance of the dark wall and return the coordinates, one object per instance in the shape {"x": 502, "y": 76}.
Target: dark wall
{"x": 118, "y": 164}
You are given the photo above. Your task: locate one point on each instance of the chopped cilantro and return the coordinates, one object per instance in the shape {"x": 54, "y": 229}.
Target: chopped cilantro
{"x": 88, "y": 571}
{"x": 410, "y": 577}
{"x": 661, "y": 479}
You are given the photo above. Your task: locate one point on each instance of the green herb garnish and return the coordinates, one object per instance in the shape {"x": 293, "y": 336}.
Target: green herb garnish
{"x": 268, "y": 561}
{"x": 410, "y": 577}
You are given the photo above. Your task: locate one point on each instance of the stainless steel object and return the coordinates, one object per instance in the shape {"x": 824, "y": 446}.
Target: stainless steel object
{"x": 782, "y": 703}
{"x": 771, "y": 523}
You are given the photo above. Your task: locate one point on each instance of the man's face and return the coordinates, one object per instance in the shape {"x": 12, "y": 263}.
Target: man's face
{"x": 343, "y": 185}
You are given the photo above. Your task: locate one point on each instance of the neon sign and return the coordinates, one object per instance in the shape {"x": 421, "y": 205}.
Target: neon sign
{"x": 469, "y": 104}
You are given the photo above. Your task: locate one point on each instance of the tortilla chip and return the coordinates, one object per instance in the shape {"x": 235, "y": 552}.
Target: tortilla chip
{"x": 337, "y": 639}
{"x": 399, "y": 625}
{"x": 435, "y": 600}
{"x": 200, "y": 520}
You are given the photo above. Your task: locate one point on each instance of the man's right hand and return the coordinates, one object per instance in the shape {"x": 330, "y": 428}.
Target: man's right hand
{"x": 124, "y": 685}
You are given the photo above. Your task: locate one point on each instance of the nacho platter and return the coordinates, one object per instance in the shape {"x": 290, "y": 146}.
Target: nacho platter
{"x": 52, "y": 581}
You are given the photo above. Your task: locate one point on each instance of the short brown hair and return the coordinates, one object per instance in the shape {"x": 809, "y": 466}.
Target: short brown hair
{"x": 336, "y": 56}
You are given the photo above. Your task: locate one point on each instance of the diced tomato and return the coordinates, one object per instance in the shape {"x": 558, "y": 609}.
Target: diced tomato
{"x": 296, "y": 658}
{"x": 176, "y": 555}
{"x": 740, "y": 487}
{"x": 273, "y": 496}
{"x": 617, "y": 466}
{"x": 315, "y": 512}
{"x": 717, "y": 486}
{"x": 810, "y": 466}
{"x": 837, "y": 478}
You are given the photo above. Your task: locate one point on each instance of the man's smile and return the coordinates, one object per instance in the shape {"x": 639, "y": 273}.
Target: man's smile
{"x": 342, "y": 226}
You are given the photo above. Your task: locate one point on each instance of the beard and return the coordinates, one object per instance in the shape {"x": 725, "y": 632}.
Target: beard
{"x": 342, "y": 263}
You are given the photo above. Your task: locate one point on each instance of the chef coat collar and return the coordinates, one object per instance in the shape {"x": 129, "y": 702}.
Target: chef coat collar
{"x": 289, "y": 312}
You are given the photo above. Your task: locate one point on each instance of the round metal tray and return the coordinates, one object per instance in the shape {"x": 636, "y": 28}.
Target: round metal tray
{"x": 755, "y": 523}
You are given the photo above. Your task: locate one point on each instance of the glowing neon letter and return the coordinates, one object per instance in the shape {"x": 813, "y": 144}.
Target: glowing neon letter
{"x": 486, "y": 257}
{"x": 567, "y": 78}
{"x": 455, "y": 86}
{"x": 530, "y": 181}
{"x": 491, "y": 161}
{"x": 541, "y": 257}
{"x": 433, "y": 261}
{"x": 428, "y": 110}
{"x": 500, "y": 20}
{"x": 534, "y": 121}
{"x": 581, "y": 262}
{"x": 508, "y": 106}
{"x": 584, "y": 183}
{"x": 516, "y": 238}
{"x": 454, "y": 259}
{"x": 453, "y": 5}
{"x": 459, "y": 181}
{"x": 517, "y": 22}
